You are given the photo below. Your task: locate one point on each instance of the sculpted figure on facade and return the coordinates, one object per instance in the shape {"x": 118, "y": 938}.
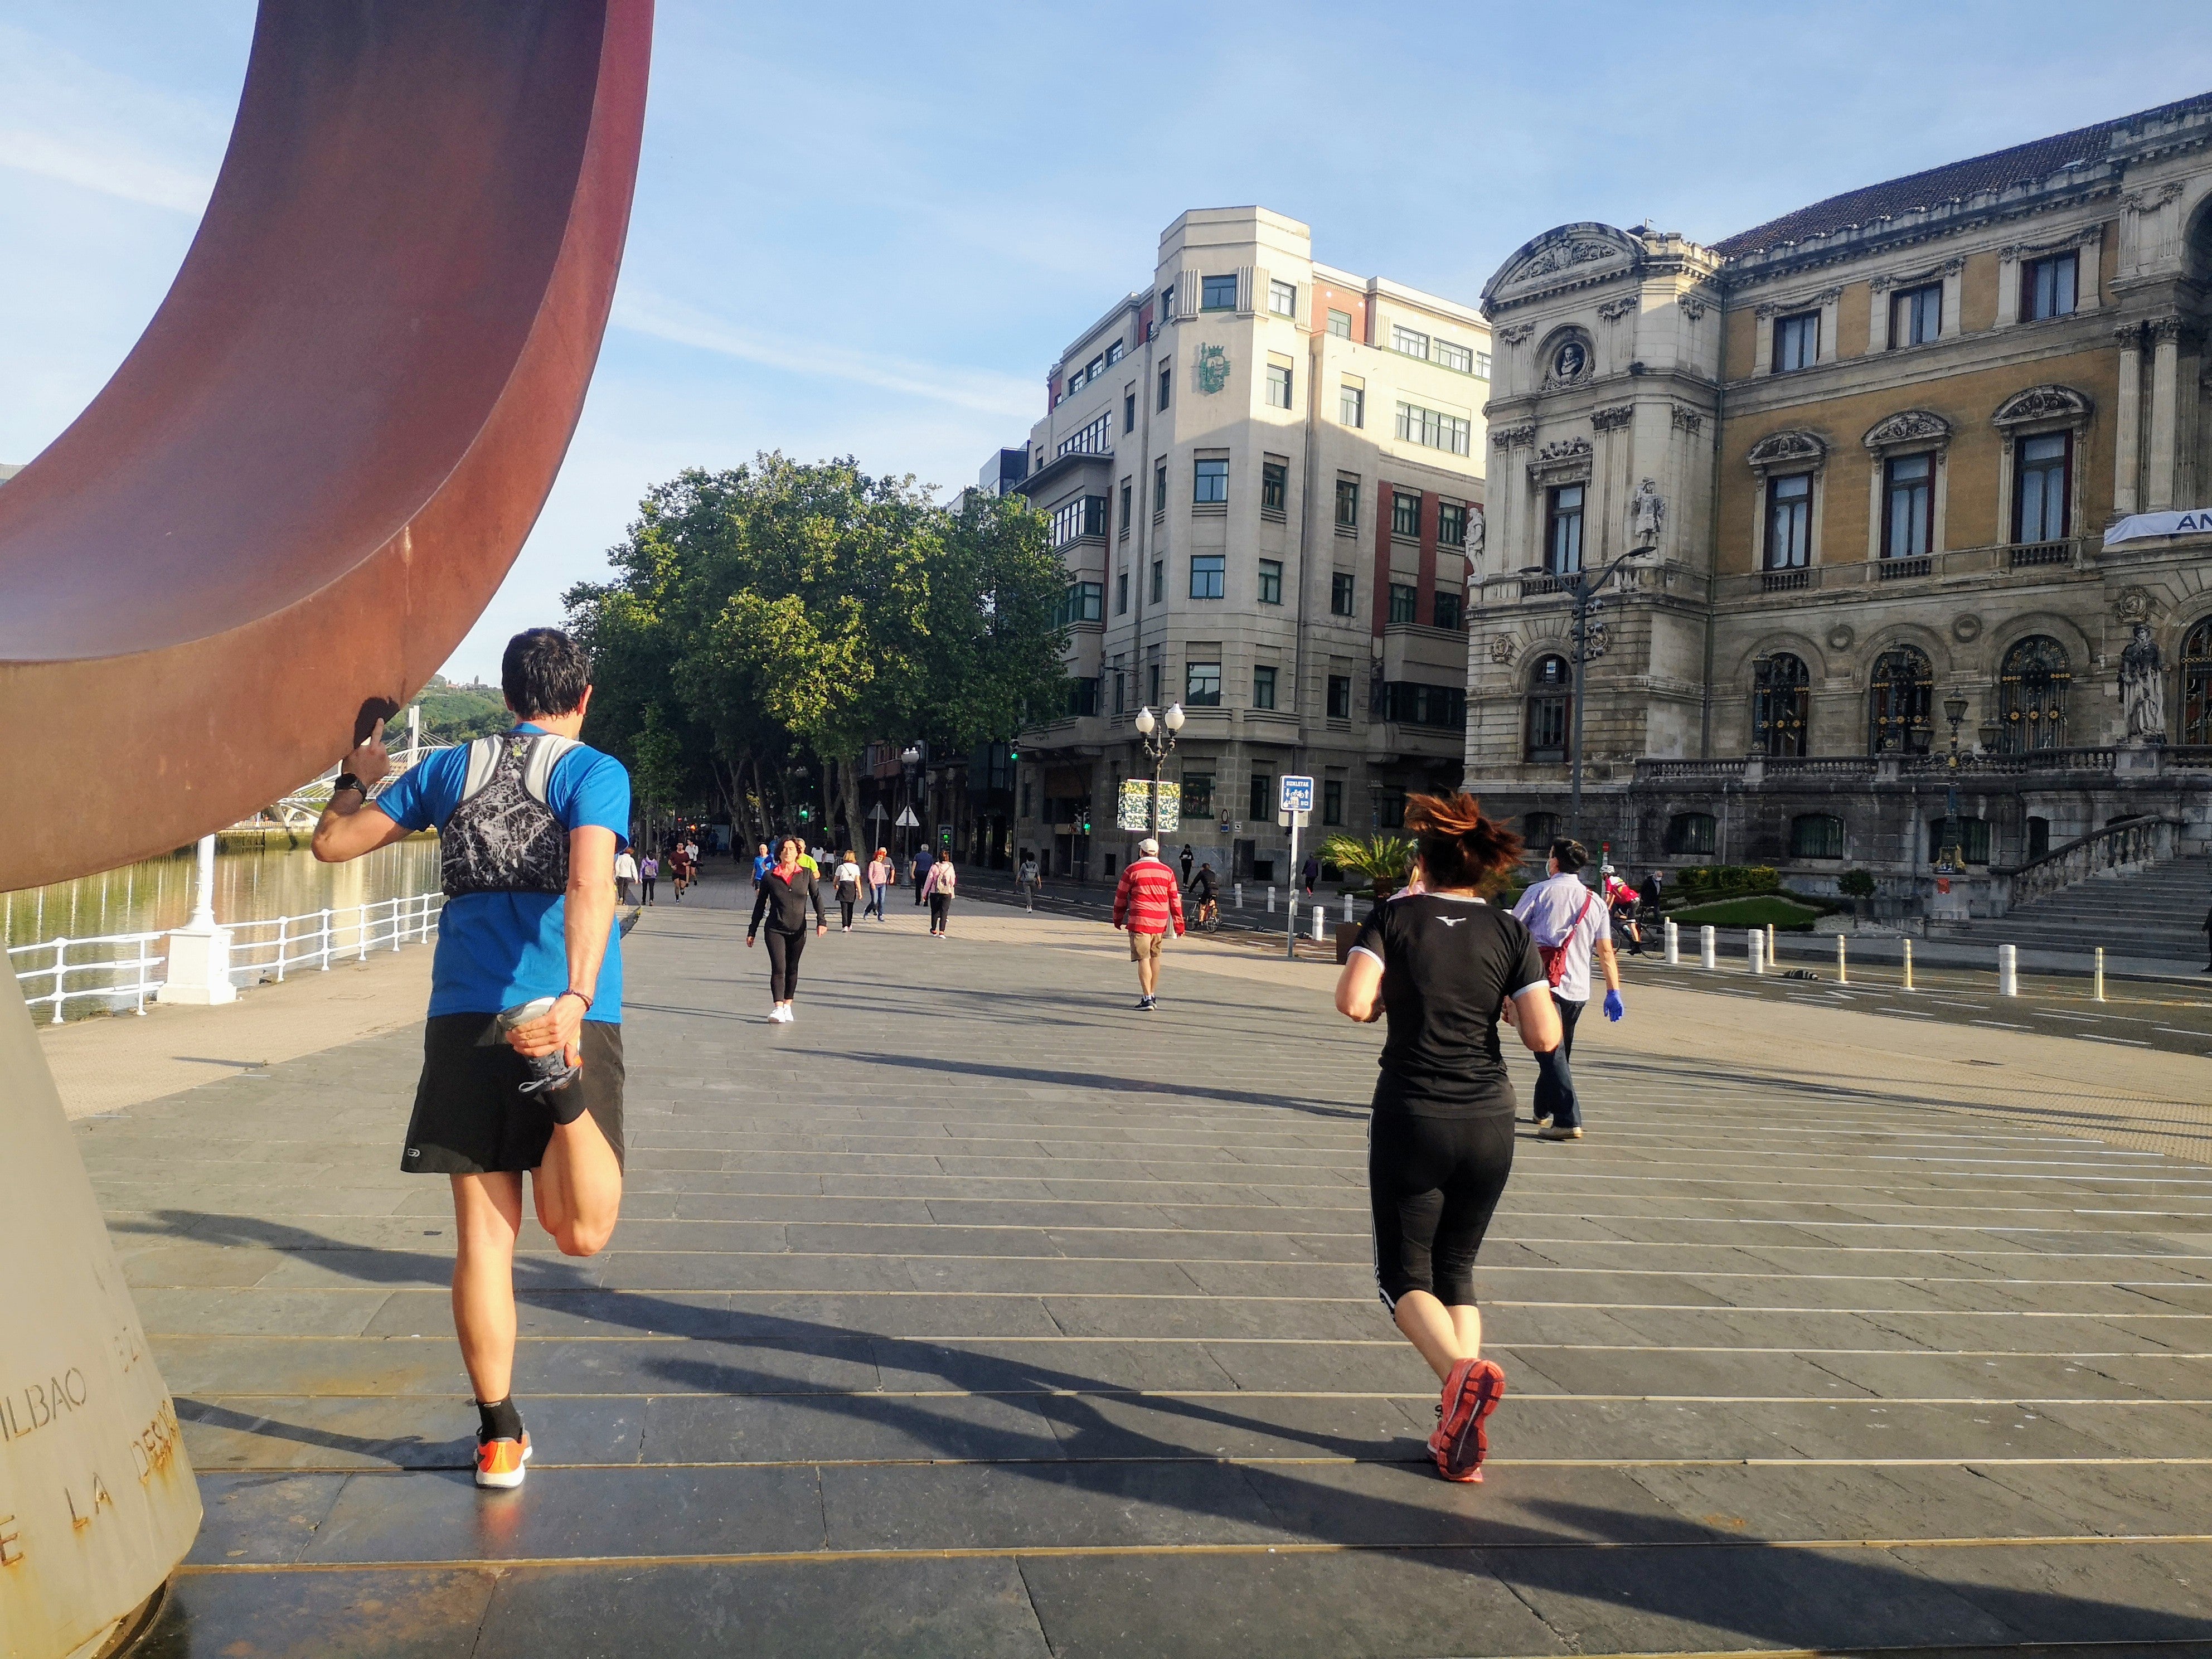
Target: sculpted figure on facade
{"x": 1647, "y": 516}
{"x": 1478, "y": 532}
{"x": 2142, "y": 688}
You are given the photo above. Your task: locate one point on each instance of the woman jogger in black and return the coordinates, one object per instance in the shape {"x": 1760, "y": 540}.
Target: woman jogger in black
{"x": 1446, "y": 967}
{"x": 782, "y": 899}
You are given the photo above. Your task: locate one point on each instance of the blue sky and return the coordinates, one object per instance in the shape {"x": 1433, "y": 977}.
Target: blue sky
{"x": 868, "y": 228}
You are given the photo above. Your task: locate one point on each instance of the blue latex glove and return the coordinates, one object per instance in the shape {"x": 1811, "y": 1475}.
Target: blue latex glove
{"x": 1615, "y": 1007}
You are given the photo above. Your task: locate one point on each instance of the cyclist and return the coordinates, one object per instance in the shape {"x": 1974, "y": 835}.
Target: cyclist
{"x": 1621, "y": 900}
{"x": 1207, "y": 886}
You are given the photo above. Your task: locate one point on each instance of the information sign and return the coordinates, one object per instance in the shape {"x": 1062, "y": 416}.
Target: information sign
{"x": 1298, "y": 795}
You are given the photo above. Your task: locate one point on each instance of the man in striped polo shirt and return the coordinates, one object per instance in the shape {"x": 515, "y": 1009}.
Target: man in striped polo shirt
{"x": 1148, "y": 902}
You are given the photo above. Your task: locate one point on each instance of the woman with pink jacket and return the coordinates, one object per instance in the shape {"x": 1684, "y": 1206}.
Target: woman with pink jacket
{"x": 937, "y": 887}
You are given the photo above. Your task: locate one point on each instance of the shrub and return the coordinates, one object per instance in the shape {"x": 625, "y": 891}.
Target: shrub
{"x": 1702, "y": 883}
{"x": 1856, "y": 884}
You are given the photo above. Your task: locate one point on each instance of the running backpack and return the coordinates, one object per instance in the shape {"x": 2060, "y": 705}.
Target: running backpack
{"x": 1555, "y": 955}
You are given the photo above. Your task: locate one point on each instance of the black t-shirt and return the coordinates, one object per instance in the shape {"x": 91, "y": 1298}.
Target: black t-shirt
{"x": 1448, "y": 966}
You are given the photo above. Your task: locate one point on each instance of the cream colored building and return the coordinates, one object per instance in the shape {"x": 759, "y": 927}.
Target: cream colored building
{"x": 1887, "y": 434}
{"x": 1264, "y": 474}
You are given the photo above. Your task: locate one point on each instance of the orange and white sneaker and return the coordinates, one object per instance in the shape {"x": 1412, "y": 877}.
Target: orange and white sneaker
{"x": 500, "y": 1462}
{"x": 1471, "y": 1393}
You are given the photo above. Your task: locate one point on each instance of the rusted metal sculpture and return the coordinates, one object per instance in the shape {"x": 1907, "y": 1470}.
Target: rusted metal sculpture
{"x": 274, "y": 523}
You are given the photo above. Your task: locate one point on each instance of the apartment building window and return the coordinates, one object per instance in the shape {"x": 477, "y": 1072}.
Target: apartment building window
{"x": 1789, "y": 521}
{"x": 1084, "y": 516}
{"x": 1796, "y": 342}
{"x": 1389, "y": 806}
{"x": 1260, "y": 797}
{"x": 1340, "y": 323}
{"x": 1093, "y": 440}
{"x": 1446, "y": 355}
{"x": 1551, "y": 688}
{"x": 2047, "y": 287}
{"x": 1440, "y": 708}
{"x": 1263, "y": 686}
{"x": 1167, "y": 373}
{"x": 1167, "y": 303}
{"x": 2045, "y": 466}
{"x": 1339, "y": 697}
{"x": 1432, "y": 428}
{"x": 1446, "y": 610}
{"x": 1412, "y": 342}
{"x": 1283, "y": 299}
{"x": 1405, "y": 601}
{"x": 1159, "y": 591}
{"x": 1198, "y": 794}
{"x": 1352, "y": 405}
{"x": 1152, "y": 686}
{"x": 1210, "y": 483}
{"x": 1125, "y": 507}
{"x": 1079, "y": 602}
{"x": 1451, "y": 524}
{"x": 1159, "y": 486}
{"x": 1563, "y": 529}
{"x": 1279, "y": 386}
{"x": 1780, "y": 685}
{"x": 1916, "y": 316}
{"x": 1332, "y": 803}
{"x": 1275, "y": 486}
{"x": 1340, "y": 594}
{"x": 1908, "y": 521}
{"x": 1129, "y": 410}
{"x": 1217, "y": 293}
{"x": 1405, "y": 513}
{"x": 1114, "y": 354}
{"x": 1095, "y": 366}
{"x": 1201, "y": 685}
{"x": 1482, "y": 364}
{"x": 1207, "y": 574}
{"x": 1121, "y": 595}
{"x": 1271, "y": 581}
{"x": 1347, "y": 503}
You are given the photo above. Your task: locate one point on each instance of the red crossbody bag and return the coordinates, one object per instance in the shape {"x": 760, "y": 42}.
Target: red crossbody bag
{"x": 1555, "y": 955}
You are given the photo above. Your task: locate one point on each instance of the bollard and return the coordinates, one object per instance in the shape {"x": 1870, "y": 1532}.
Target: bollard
{"x": 1320, "y": 920}
{"x": 2007, "y": 970}
{"x": 1908, "y": 964}
{"x": 2100, "y": 987}
{"x": 1772, "y": 955}
{"x": 1843, "y": 971}
{"x": 1271, "y": 900}
{"x": 1347, "y": 906}
{"x": 1240, "y": 895}
{"x": 1756, "y": 943}
{"x": 1673, "y": 943}
{"x": 1708, "y": 947}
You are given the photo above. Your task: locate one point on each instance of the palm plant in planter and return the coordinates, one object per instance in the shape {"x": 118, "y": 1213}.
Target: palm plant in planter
{"x": 1383, "y": 858}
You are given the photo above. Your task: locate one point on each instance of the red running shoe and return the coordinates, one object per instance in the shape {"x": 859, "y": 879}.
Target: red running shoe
{"x": 1471, "y": 1394}
{"x": 500, "y": 1462}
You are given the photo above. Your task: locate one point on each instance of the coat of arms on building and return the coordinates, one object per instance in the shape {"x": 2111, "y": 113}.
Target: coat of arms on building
{"x": 1212, "y": 369}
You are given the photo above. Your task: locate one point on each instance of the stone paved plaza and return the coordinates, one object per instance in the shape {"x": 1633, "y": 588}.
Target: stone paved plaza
{"x": 977, "y": 1314}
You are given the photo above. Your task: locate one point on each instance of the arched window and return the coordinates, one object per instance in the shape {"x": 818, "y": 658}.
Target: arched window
{"x": 1551, "y": 690}
{"x": 2196, "y": 682}
{"x": 1690, "y": 833}
{"x": 1816, "y": 835}
{"x": 1900, "y": 698}
{"x": 1779, "y": 685}
{"x": 2031, "y": 696}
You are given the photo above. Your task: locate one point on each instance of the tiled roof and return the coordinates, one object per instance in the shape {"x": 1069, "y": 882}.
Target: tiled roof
{"x": 1995, "y": 171}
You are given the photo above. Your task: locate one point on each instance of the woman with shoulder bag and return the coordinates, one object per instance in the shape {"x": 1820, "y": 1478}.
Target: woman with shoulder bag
{"x": 937, "y": 887}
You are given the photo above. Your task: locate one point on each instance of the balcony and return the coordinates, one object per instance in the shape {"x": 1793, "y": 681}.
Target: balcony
{"x": 1665, "y": 577}
{"x": 2040, "y": 560}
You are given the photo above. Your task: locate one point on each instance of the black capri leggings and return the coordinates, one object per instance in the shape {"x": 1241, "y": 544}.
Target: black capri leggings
{"x": 845, "y": 905}
{"x": 940, "y": 910}
{"x": 1434, "y": 1182}
{"x": 783, "y": 953}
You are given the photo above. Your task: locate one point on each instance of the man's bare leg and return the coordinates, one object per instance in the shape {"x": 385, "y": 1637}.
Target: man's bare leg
{"x": 578, "y": 1188}
{"x": 1148, "y": 973}
{"x": 487, "y": 1215}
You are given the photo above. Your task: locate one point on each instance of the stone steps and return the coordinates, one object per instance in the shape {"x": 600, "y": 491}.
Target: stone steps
{"x": 2157, "y": 912}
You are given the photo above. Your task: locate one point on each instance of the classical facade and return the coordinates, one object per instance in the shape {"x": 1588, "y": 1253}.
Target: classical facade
{"x": 1265, "y": 475}
{"x": 1857, "y": 469}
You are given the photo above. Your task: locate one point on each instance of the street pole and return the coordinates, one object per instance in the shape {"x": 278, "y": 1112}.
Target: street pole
{"x": 1290, "y": 925}
{"x": 1585, "y": 593}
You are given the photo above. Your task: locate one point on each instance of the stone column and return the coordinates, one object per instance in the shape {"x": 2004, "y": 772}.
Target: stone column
{"x": 2165, "y": 410}
{"x": 2127, "y": 464}
{"x": 199, "y": 951}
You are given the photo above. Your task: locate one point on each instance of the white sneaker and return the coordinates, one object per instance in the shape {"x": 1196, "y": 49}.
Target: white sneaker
{"x": 784, "y": 1013}
{"x": 775, "y": 1013}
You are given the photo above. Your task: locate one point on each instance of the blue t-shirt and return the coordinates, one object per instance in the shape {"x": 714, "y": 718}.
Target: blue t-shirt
{"x": 762, "y": 864}
{"x": 495, "y": 950}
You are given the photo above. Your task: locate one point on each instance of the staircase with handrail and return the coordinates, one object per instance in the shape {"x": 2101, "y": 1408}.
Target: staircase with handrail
{"x": 2126, "y": 887}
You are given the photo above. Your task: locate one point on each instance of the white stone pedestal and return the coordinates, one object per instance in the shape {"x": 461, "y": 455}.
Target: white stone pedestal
{"x": 199, "y": 967}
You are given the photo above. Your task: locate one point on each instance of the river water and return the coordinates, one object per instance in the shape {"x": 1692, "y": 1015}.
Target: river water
{"x": 250, "y": 884}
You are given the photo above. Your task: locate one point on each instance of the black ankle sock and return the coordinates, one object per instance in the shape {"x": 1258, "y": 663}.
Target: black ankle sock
{"x": 498, "y": 1421}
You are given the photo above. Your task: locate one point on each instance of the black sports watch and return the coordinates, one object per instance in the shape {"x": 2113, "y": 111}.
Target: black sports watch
{"x": 347, "y": 781}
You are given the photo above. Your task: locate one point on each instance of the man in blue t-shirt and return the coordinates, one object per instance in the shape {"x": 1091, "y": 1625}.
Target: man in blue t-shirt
{"x": 522, "y": 1054}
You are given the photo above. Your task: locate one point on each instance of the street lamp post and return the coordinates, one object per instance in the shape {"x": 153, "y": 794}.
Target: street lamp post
{"x": 1587, "y": 644}
{"x": 910, "y": 758}
{"x": 1159, "y": 738}
{"x": 1952, "y": 859}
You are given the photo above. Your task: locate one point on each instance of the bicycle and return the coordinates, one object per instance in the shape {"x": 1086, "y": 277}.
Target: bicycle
{"x": 1209, "y": 915}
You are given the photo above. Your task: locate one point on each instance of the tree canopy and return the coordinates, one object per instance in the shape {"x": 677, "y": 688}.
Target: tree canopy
{"x": 764, "y": 623}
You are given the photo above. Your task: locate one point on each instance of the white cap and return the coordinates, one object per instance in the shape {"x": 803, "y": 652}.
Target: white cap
{"x": 1148, "y": 847}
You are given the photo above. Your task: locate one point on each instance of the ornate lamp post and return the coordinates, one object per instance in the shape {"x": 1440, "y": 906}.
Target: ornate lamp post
{"x": 1587, "y": 644}
{"x": 1159, "y": 736}
{"x": 910, "y": 758}
{"x": 1951, "y": 859}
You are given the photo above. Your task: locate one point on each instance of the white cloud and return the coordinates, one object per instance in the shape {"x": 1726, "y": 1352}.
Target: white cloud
{"x": 984, "y": 391}
{"x": 69, "y": 121}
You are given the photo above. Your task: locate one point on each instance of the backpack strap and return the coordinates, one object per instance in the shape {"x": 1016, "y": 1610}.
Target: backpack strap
{"x": 540, "y": 759}
{"x": 483, "y": 756}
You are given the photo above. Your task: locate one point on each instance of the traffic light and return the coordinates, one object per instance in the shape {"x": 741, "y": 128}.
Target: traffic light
{"x": 1086, "y": 826}
{"x": 805, "y": 813}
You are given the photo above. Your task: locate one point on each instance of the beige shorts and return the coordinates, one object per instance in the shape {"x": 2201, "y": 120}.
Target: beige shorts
{"x": 1146, "y": 947}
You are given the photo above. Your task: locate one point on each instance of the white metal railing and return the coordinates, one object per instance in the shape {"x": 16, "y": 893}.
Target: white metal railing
{"x": 131, "y": 967}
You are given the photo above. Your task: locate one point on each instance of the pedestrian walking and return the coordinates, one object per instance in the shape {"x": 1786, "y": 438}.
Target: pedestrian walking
{"x": 1572, "y": 928}
{"x": 1029, "y": 879}
{"x": 1655, "y": 891}
{"x": 1187, "y": 859}
{"x": 847, "y": 879}
{"x": 921, "y": 872}
{"x": 522, "y": 1052}
{"x": 625, "y": 873}
{"x": 879, "y": 882}
{"x": 939, "y": 889}
{"x": 1148, "y": 900}
{"x": 763, "y": 863}
{"x": 1446, "y": 967}
{"x": 1310, "y": 873}
{"x": 648, "y": 872}
{"x": 781, "y": 906}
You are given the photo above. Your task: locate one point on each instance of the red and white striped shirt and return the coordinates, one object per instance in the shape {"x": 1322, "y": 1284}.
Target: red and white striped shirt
{"x": 1148, "y": 900}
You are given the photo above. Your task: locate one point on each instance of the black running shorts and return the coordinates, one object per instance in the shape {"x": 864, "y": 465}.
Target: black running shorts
{"x": 468, "y": 1118}
{"x": 1434, "y": 1183}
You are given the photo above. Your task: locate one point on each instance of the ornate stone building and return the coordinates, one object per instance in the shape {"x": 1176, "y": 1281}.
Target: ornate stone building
{"x": 1858, "y": 467}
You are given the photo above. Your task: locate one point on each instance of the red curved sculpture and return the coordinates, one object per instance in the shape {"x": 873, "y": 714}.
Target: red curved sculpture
{"x": 307, "y": 479}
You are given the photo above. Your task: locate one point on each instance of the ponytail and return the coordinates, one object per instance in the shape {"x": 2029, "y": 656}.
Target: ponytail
{"x": 1459, "y": 847}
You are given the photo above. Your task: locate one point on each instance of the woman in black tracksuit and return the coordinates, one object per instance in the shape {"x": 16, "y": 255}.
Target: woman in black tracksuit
{"x": 782, "y": 898}
{"x": 1446, "y": 967}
